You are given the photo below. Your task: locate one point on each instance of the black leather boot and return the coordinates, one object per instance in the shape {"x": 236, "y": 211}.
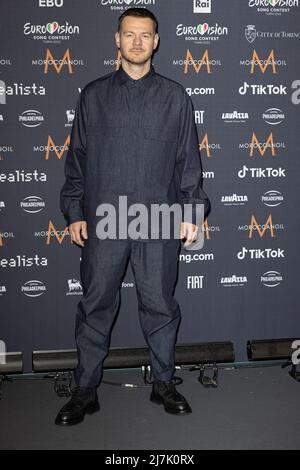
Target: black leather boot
{"x": 165, "y": 393}
{"x": 84, "y": 401}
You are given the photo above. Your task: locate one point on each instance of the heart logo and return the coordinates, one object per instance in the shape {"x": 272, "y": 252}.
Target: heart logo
{"x": 52, "y": 27}
{"x": 202, "y": 28}
{"x": 273, "y": 3}
{"x": 128, "y": 1}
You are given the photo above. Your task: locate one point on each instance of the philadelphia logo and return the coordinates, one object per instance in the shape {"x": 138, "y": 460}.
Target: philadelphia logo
{"x": 271, "y": 279}
{"x": 33, "y": 289}
{"x": 32, "y": 204}
{"x": 272, "y": 198}
{"x": 273, "y": 116}
{"x": 31, "y": 118}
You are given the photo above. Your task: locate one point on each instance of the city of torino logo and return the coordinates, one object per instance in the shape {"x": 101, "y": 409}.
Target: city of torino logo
{"x": 262, "y": 148}
{"x": 257, "y": 61}
{"x": 261, "y": 229}
{"x": 66, "y": 60}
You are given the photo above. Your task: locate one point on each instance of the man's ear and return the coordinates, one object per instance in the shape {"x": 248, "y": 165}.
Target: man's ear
{"x": 156, "y": 39}
{"x": 117, "y": 39}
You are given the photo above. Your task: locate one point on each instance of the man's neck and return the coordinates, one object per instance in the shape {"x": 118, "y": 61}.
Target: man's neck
{"x": 135, "y": 71}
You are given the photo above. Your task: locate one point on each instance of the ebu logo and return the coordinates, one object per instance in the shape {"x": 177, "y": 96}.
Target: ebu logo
{"x": 51, "y": 3}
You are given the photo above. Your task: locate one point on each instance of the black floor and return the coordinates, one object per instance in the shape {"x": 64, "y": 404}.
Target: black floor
{"x": 251, "y": 409}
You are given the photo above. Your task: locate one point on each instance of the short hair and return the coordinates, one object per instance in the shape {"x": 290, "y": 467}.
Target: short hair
{"x": 138, "y": 13}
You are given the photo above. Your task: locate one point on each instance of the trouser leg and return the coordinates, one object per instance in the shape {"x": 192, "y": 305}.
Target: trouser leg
{"x": 155, "y": 268}
{"x": 102, "y": 267}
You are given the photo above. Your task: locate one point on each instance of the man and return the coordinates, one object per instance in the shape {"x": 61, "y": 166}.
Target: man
{"x": 134, "y": 135}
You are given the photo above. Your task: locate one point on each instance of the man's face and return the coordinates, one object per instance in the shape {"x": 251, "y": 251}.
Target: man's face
{"x": 137, "y": 39}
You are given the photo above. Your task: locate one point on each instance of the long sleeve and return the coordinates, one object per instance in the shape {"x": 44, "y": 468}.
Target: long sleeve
{"x": 72, "y": 192}
{"x": 188, "y": 158}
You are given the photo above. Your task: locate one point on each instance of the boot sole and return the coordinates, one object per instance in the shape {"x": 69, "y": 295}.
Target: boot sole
{"x": 159, "y": 401}
{"x": 90, "y": 410}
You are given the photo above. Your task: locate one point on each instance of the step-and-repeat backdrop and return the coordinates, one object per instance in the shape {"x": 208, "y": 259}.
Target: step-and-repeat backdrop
{"x": 239, "y": 61}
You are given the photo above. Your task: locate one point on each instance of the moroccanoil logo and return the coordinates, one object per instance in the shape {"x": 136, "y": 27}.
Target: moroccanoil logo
{"x": 261, "y": 229}
{"x": 208, "y": 146}
{"x": 59, "y": 151}
{"x": 262, "y": 147}
{"x": 263, "y": 64}
{"x": 256, "y": 226}
{"x": 208, "y": 229}
{"x": 202, "y": 62}
{"x": 53, "y": 233}
{"x": 58, "y": 64}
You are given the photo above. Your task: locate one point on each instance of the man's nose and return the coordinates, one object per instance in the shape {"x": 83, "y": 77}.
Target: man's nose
{"x": 137, "y": 41}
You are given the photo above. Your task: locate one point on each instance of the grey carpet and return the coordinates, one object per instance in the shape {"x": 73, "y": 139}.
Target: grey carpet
{"x": 251, "y": 409}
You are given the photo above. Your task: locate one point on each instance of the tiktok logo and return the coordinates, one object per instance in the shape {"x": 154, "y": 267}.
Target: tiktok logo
{"x": 260, "y": 254}
{"x": 261, "y": 173}
{"x": 262, "y": 89}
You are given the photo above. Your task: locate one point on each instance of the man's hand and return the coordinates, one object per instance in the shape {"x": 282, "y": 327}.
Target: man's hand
{"x": 78, "y": 232}
{"x": 188, "y": 231}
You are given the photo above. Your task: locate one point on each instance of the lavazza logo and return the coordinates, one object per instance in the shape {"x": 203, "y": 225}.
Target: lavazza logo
{"x": 234, "y": 200}
{"x": 234, "y": 281}
{"x": 51, "y": 32}
{"x": 274, "y": 7}
{"x": 202, "y": 33}
{"x": 235, "y": 116}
